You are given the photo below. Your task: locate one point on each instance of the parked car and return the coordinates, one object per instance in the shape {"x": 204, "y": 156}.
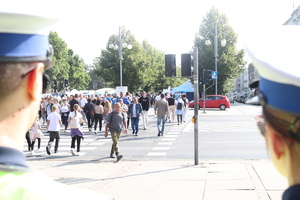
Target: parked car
{"x": 213, "y": 101}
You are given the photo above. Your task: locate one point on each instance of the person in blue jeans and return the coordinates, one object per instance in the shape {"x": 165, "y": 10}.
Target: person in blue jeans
{"x": 161, "y": 110}
{"x": 134, "y": 112}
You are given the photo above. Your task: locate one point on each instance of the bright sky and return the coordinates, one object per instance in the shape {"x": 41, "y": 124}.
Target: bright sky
{"x": 168, "y": 25}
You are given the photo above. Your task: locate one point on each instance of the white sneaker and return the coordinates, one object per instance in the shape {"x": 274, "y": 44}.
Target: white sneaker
{"x": 38, "y": 149}
{"x": 72, "y": 151}
{"x": 77, "y": 153}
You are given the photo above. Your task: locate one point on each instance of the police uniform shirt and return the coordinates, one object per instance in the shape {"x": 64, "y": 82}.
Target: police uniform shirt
{"x": 292, "y": 193}
{"x": 12, "y": 157}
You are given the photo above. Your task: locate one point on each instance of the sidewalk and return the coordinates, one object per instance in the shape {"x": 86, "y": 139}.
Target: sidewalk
{"x": 174, "y": 180}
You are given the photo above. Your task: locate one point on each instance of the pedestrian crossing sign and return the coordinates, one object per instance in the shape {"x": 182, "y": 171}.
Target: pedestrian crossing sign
{"x": 214, "y": 75}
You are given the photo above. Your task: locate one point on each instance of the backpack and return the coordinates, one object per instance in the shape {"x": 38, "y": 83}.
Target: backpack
{"x": 74, "y": 122}
{"x": 179, "y": 106}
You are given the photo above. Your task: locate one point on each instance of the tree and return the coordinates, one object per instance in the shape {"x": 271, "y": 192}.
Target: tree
{"x": 61, "y": 67}
{"x": 142, "y": 66}
{"x": 96, "y": 82}
{"x": 78, "y": 78}
{"x": 230, "y": 60}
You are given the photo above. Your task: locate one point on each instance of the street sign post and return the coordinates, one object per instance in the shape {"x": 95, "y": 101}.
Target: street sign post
{"x": 214, "y": 75}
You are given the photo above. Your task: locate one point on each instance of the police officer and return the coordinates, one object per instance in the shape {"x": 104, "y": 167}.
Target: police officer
{"x": 24, "y": 55}
{"x": 275, "y": 54}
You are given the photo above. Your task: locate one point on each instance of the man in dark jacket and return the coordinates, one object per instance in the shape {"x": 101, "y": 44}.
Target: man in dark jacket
{"x": 134, "y": 112}
{"x": 145, "y": 102}
{"x": 89, "y": 112}
{"x": 73, "y": 102}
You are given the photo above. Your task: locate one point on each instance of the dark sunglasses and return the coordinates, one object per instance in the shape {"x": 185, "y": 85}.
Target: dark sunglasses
{"x": 260, "y": 121}
{"x": 45, "y": 79}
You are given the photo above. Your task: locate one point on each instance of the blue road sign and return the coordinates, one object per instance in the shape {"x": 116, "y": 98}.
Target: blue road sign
{"x": 214, "y": 75}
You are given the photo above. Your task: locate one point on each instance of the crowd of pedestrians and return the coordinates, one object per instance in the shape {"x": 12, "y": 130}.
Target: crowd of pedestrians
{"x": 117, "y": 112}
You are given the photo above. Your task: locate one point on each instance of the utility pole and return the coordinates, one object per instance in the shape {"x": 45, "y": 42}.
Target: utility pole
{"x": 196, "y": 97}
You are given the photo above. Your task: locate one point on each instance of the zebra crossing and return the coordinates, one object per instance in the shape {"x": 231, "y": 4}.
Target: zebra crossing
{"x": 166, "y": 142}
{"x": 222, "y": 127}
{"x": 90, "y": 142}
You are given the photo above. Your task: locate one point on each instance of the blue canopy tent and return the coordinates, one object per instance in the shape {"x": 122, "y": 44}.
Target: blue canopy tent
{"x": 186, "y": 88}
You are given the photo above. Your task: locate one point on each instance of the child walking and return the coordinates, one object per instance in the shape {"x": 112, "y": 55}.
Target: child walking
{"x": 74, "y": 120}
{"x": 36, "y": 133}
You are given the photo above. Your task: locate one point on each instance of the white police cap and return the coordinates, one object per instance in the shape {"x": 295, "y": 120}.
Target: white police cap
{"x": 24, "y": 37}
{"x": 275, "y": 55}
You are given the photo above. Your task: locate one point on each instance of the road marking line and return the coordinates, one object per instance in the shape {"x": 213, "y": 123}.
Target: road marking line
{"x": 161, "y": 148}
{"x": 188, "y": 127}
{"x": 233, "y": 142}
{"x": 168, "y": 139}
{"x": 96, "y": 144}
{"x": 156, "y": 154}
{"x": 173, "y": 133}
{"x": 68, "y": 148}
{"x": 177, "y": 129}
{"x": 170, "y": 135}
{"x": 165, "y": 143}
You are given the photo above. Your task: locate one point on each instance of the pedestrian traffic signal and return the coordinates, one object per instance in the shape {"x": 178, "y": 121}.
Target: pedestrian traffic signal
{"x": 170, "y": 65}
{"x": 206, "y": 76}
{"x": 66, "y": 82}
{"x": 186, "y": 64}
{"x": 200, "y": 81}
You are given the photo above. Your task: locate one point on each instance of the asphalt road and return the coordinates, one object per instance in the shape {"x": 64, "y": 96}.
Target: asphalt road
{"x": 229, "y": 134}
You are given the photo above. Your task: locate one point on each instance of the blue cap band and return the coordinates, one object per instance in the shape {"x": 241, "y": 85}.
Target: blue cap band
{"x": 23, "y": 45}
{"x": 281, "y": 96}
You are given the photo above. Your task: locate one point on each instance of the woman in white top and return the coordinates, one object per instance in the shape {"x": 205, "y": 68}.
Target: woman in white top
{"x": 74, "y": 120}
{"x": 64, "y": 110}
{"x": 180, "y": 109}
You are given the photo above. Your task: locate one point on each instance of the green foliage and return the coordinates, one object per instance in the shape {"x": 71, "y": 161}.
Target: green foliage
{"x": 61, "y": 67}
{"x": 96, "y": 81}
{"x": 78, "y": 78}
{"x": 230, "y": 60}
{"x": 66, "y": 65}
{"x": 143, "y": 67}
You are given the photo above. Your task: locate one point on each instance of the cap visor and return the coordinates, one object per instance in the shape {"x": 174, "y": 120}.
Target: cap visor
{"x": 254, "y": 100}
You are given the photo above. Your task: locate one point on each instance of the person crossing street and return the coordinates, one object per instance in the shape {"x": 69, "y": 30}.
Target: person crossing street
{"x": 53, "y": 127}
{"x": 161, "y": 110}
{"x": 116, "y": 122}
{"x": 134, "y": 112}
{"x": 145, "y": 102}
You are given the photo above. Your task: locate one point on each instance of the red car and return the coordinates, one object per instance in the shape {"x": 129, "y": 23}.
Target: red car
{"x": 213, "y": 101}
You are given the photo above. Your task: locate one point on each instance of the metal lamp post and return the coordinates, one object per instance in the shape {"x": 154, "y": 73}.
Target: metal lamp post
{"x": 120, "y": 46}
{"x": 223, "y": 43}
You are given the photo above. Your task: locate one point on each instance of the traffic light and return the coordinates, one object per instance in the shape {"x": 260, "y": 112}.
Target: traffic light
{"x": 186, "y": 64}
{"x": 66, "y": 82}
{"x": 170, "y": 65}
{"x": 206, "y": 76}
{"x": 200, "y": 81}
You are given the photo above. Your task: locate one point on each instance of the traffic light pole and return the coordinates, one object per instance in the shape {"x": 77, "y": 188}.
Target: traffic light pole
{"x": 196, "y": 97}
{"x": 204, "y": 105}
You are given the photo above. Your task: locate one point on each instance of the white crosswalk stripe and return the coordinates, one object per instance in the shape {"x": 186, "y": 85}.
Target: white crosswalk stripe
{"x": 222, "y": 127}
{"x": 166, "y": 141}
{"x": 90, "y": 143}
